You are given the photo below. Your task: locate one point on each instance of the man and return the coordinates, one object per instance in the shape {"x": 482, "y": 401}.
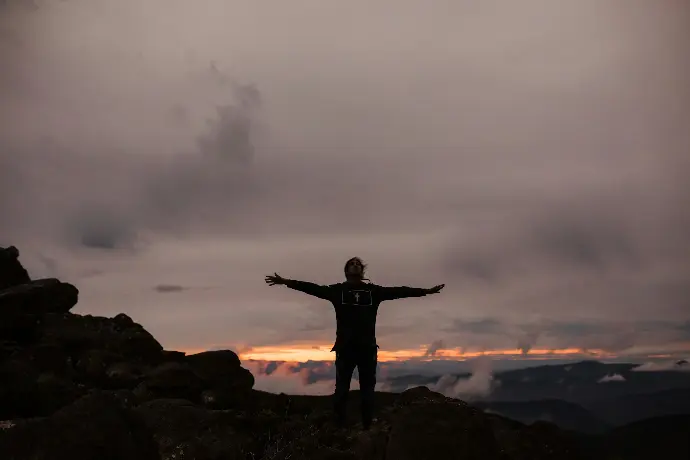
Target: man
{"x": 356, "y": 305}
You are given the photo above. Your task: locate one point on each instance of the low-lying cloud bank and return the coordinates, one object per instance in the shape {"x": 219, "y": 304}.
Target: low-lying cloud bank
{"x": 673, "y": 366}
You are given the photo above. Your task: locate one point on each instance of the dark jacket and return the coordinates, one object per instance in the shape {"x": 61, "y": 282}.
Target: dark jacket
{"x": 356, "y": 306}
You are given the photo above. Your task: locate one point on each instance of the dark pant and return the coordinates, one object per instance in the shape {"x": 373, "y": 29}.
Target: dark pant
{"x": 364, "y": 358}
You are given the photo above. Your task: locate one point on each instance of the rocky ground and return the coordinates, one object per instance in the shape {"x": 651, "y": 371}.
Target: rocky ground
{"x": 87, "y": 387}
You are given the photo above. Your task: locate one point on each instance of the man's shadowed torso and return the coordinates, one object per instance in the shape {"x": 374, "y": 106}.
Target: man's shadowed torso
{"x": 356, "y": 307}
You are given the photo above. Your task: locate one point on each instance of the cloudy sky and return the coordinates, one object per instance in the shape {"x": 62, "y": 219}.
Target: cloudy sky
{"x": 164, "y": 156}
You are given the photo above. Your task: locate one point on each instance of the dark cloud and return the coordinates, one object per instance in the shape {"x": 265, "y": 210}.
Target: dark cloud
{"x": 229, "y": 134}
{"x": 527, "y": 338}
{"x": 685, "y": 329}
{"x": 435, "y": 347}
{"x": 271, "y": 367}
{"x": 479, "y": 326}
{"x": 166, "y": 288}
{"x": 470, "y": 267}
{"x": 101, "y": 228}
{"x": 585, "y": 241}
{"x": 611, "y": 336}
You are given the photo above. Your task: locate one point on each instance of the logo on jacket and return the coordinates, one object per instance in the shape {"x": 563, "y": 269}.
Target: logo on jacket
{"x": 357, "y": 297}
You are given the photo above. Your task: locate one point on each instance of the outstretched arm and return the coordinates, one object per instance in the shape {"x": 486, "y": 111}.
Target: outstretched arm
{"x": 317, "y": 290}
{"x": 401, "y": 292}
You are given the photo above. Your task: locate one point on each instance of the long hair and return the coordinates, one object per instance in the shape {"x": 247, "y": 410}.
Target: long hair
{"x": 364, "y": 266}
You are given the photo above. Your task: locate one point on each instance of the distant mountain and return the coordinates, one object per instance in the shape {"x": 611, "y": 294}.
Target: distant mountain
{"x": 631, "y": 408}
{"x": 566, "y": 415}
{"x": 661, "y": 437}
{"x": 580, "y": 382}
{"x": 584, "y": 382}
{"x": 587, "y": 396}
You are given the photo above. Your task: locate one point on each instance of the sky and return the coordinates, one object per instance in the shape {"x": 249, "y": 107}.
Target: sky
{"x": 164, "y": 156}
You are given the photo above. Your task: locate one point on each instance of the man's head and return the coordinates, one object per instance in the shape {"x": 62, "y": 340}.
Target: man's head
{"x": 354, "y": 269}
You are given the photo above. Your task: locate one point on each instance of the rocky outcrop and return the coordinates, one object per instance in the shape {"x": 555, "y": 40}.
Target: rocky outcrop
{"x": 39, "y": 297}
{"x": 12, "y": 273}
{"x": 50, "y": 357}
{"x": 97, "y": 426}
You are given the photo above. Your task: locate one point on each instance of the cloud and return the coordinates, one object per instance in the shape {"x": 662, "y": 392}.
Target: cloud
{"x": 283, "y": 379}
{"x": 477, "y": 385}
{"x": 434, "y": 348}
{"x": 593, "y": 334}
{"x": 612, "y": 378}
{"x": 548, "y": 195}
{"x": 675, "y": 366}
{"x": 165, "y": 288}
{"x": 478, "y": 326}
{"x": 311, "y": 378}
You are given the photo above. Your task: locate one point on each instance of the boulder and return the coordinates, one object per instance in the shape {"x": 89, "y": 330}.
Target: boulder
{"x": 20, "y": 328}
{"x": 434, "y": 428}
{"x": 222, "y": 370}
{"x": 8, "y": 348}
{"x": 228, "y": 383}
{"x": 38, "y": 297}
{"x": 428, "y": 425}
{"x": 214, "y": 362}
{"x": 12, "y": 273}
{"x": 96, "y": 426}
{"x": 27, "y": 392}
{"x": 171, "y": 380}
{"x": 123, "y": 375}
{"x": 46, "y": 357}
{"x": 79, "y": 333}
{"x": 91, "y": 365}
{"x": 169, "y": 355}
{"x": 184, "y": 430}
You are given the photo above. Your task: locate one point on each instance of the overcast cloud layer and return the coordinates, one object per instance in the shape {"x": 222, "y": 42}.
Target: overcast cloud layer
{"x": 165, "y": 155}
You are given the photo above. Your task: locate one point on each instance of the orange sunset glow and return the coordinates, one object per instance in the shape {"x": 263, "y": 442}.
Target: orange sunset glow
{"x": 301, "y": 354}
{"x": 312, "y": 352}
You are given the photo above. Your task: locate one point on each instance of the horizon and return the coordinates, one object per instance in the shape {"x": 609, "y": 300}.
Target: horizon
{"x": 532, "y": 158}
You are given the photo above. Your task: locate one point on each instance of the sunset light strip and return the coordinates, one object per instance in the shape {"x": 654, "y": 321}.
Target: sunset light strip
{"x": 324, "y": 354}
{"x": 303, "y": 352}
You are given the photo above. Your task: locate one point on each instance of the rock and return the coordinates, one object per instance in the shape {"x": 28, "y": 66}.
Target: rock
{"x": 123, "y": 321}
{"x": 94, "y": 427}
{"x": 12, "y": 273}
{"x": 228, "y": 382}
{"x": 214, "y": 399}
{"x": 171, "y": 380}
{"x": 125, "y": 398}
{"x": 22, "y": 328}
{"x": 79, "y": 333}
{"x": 220, "y": 360}
{"x": 123, "y": 375}
{"x": 232, "y": 394}
{"x": 47, "y": 357}
{"x": 419, "y": 394}
{"x": 26, "y": 392}
{"x": 184, "y": 430}
{"x": 431, "y": 429}
{"x": 177, "y": 356}
{"x": 92, "y": 365}
{"x": 8, "y": 348}
{"x": 38, "y": 297}
{"x": 222, "y": 370}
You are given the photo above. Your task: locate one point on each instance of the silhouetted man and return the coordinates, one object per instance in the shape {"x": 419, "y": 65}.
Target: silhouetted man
{"x": 356, "y": 305}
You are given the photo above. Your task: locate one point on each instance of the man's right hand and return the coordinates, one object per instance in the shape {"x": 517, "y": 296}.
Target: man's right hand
{"x": 274, "y": 279}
